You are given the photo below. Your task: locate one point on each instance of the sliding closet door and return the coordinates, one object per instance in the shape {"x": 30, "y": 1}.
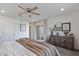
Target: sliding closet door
{"x": 37, "y": 32}
{"x": 41, "y": 32}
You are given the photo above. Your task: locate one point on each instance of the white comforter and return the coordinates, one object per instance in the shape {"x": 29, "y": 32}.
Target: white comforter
{"x": 12, "y": 48}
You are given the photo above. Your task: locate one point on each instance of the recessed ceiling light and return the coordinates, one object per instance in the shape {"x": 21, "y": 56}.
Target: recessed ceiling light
{"x": 2, "y": 11}
{"x": 62, "y": 9}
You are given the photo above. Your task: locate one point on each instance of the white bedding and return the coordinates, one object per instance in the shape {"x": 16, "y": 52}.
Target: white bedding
{"x": 12, "y": 48}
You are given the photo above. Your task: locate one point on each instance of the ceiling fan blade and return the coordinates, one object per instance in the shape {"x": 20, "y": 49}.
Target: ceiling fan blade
{"x": 35, "y": 13}
{"x": 21, "y": 7}
{"x": 34, "y": 8}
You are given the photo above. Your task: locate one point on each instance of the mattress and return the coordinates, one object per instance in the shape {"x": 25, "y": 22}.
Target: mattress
{"x": 27, "y": 47}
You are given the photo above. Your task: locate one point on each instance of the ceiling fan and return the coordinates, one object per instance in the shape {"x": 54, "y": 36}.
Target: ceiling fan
{"x": 28, "y": 10}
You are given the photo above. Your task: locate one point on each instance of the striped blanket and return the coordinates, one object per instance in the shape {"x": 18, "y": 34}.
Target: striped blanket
{"x": 39, "y": 48}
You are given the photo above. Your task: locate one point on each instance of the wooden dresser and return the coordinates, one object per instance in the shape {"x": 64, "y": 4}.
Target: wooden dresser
{"x": 62, "y": 41}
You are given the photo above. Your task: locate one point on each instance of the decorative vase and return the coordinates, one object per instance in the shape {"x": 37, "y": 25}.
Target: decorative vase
{"x": 66, "y": 32}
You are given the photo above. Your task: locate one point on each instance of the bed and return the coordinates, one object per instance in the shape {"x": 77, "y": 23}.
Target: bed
{"x": 27, "y": 47}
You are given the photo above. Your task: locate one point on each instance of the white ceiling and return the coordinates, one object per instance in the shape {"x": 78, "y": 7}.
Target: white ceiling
{"x": 46, "y": 10}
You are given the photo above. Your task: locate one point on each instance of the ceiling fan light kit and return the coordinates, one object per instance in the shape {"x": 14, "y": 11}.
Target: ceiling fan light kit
{"x": 29, "y": 10}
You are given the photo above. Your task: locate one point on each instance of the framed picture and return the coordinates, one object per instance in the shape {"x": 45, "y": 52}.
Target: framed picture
{"x": 22, "y": 27}
{"x": 66, "y": 26}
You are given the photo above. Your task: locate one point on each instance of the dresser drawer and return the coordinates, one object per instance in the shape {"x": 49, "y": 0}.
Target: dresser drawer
{"x": 66, "y": 42}
{"x": 68, "y": 46}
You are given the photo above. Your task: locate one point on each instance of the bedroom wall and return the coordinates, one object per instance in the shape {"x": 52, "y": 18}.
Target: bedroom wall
{"x": 73, "y": 18}
{"x": 10, "y": 28}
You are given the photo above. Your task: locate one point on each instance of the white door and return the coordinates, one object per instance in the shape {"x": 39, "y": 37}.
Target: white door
{"x": 39, "y": 32}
